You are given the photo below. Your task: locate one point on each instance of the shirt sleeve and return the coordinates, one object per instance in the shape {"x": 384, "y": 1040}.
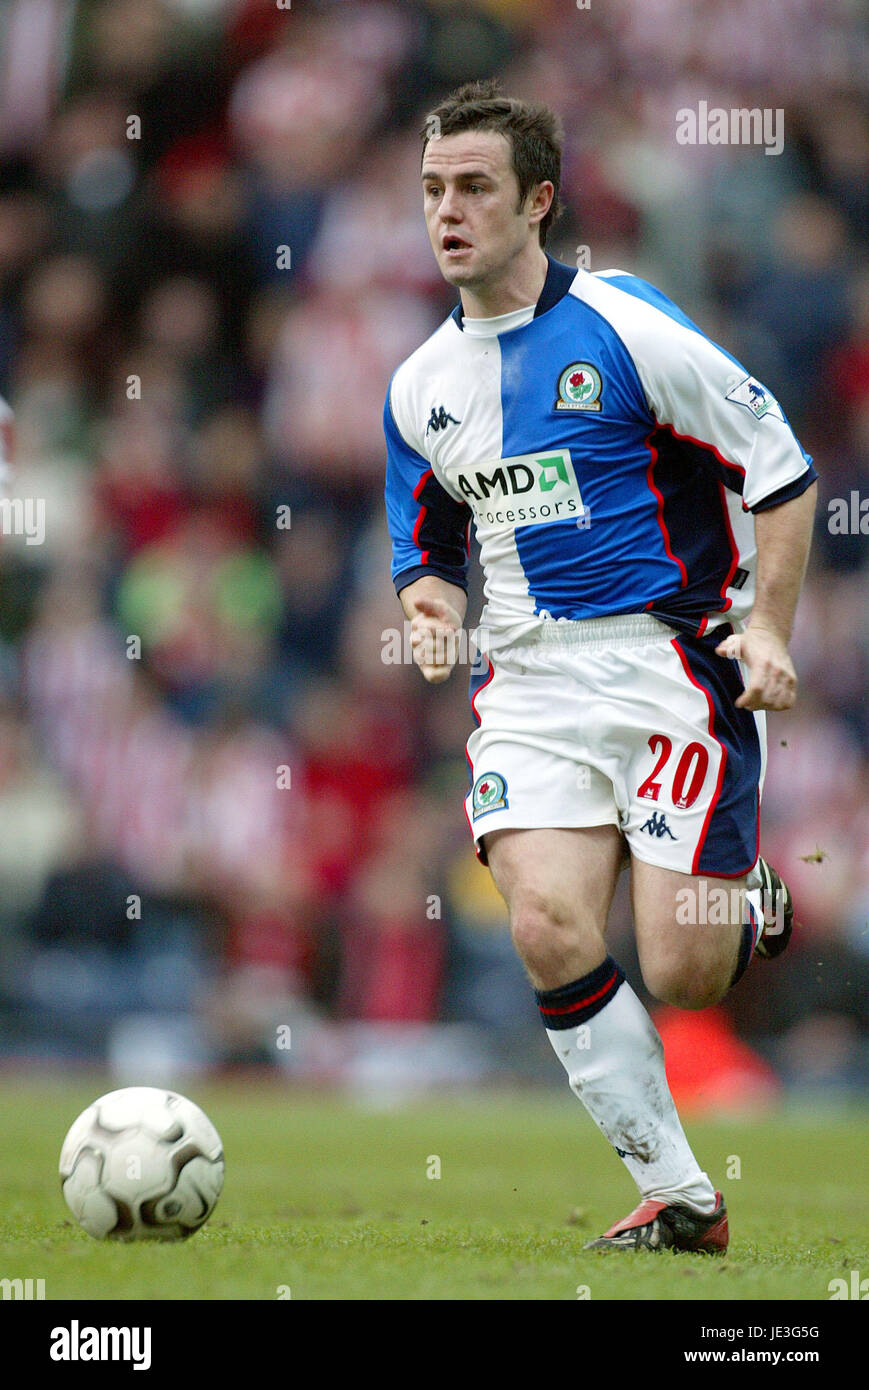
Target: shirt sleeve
{"x": 708, "y": 399}
{"x": 428, "y": 528}
{"x": 727, "y": 420}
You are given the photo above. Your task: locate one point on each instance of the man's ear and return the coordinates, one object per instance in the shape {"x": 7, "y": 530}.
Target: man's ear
{"x": 540, "y": 200}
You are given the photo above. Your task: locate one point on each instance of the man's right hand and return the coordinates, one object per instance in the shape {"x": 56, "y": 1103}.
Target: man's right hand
{"x": 434, "y": 636}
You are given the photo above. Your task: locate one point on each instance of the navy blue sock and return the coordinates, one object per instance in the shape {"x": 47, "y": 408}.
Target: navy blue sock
{"x": 569, "y": 1005}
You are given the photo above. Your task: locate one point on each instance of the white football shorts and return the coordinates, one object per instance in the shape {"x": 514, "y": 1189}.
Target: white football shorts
{"x": 620, "y": 721}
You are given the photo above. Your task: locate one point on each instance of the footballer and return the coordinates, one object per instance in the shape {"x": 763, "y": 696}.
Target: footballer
{"x": 644, "y": 515}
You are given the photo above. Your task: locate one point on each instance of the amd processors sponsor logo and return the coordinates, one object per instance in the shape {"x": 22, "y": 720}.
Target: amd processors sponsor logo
{"x": 522, "y": 491}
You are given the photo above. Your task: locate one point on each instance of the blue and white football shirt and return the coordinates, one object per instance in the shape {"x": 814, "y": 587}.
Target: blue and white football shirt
{"x": 609, "y": 454}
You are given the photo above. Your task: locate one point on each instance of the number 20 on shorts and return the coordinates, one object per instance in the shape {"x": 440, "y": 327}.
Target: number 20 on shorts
{"x": 693, "y": 764}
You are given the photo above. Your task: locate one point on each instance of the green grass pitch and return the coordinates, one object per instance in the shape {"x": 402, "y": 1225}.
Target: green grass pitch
{"x": 326, "y": 1199}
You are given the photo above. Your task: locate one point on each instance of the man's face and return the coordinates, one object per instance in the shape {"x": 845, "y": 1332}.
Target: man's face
{"x": 471, "y": 197}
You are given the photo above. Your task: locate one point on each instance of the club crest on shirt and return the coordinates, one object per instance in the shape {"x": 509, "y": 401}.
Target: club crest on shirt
{"x": 755, "y": 397}
{"x": 579, "y": 387}
{"x": 490, "y": 794}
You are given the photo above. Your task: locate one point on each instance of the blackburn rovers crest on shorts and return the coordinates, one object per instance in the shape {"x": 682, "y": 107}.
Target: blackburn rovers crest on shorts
{"x": 579, "y": 387}
{"x": 490, "y": 794}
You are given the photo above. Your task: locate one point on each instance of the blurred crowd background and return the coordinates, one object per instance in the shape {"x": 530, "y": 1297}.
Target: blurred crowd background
{"x": 222, "y": 812}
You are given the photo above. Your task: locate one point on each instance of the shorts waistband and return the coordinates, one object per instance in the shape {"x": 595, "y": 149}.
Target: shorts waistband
{"x": 622, "y": 630}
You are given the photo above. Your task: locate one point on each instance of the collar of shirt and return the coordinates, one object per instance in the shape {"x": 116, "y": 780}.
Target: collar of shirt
{"x": 559, "y": 278}
{"x": 501, "y": 323}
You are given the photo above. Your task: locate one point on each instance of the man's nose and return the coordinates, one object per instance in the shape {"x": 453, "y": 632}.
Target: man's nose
{"x": 450, "y": 208}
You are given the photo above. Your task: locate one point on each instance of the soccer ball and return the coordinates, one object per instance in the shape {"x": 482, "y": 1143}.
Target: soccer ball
{"x": 141, "y": 1164}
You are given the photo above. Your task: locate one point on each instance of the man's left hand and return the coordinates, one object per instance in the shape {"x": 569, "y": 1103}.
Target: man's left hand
{"x": 772, "y": 680}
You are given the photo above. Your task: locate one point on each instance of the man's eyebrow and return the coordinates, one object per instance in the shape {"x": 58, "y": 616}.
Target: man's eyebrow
{"x": 473, "y": 174}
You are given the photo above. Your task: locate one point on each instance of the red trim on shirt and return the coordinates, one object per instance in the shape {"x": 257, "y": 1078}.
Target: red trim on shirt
{"x": 664, "y": 532}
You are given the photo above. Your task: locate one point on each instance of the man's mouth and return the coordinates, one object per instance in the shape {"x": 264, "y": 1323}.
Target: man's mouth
{"x": 454, "y": 244}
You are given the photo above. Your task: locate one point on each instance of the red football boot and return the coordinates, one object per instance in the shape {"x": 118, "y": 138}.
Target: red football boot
{"x": 657, "y": 1226}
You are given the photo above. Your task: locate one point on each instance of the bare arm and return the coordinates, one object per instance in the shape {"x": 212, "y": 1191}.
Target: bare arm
{"x": 436, "y": 610}
{"x": 784, "y": 536}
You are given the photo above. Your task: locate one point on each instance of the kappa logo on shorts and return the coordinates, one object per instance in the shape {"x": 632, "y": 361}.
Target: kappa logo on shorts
{"x": 657, "y": 826}
{"x": 490, "y": 794}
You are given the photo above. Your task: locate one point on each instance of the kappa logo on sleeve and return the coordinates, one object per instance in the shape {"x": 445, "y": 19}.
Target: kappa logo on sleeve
{"x": 755, "y": 398}
{"x": 490, "y": 794}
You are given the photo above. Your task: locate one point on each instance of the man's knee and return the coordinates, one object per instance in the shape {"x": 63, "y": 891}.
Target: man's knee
{"x": 686, "y": 987}
{"x": 543, "y": 927}
{"x": 558, "y": 885}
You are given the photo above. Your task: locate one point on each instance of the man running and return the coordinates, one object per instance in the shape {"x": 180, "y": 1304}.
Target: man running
{"x": 644, "y": 514}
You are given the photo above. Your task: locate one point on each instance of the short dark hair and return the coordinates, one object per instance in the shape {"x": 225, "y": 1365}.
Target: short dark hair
{"x": 534, "y": 133}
